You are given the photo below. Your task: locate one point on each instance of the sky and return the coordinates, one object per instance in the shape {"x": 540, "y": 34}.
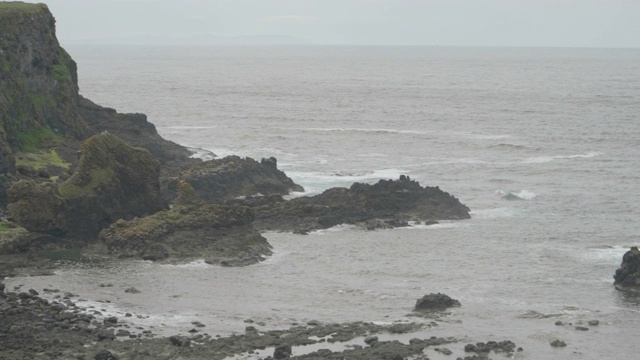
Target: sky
{"x": 536, "y": 23}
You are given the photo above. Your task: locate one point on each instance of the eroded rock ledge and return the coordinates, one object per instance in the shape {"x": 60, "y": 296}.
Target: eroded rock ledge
{"x": 386, "y": 204}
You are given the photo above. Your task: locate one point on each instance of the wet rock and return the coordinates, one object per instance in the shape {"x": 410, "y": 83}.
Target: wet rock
{"x": 105, "y": 355}
{"x": 443, "y": 351}
{"x": 180, "y": 341}
{"x": 558, "y": 343}
{"x": 435, "y": 302}
{"x": 111, "y": 320}
{"x": 370, "y": 340}
{"x": 282, "y": 352}
{"x": 389, "y": 203}
{"x": 627, "y": 276}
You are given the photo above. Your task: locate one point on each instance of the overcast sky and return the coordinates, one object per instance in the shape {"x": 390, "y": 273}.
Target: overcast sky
{"x": 571, "y": 23}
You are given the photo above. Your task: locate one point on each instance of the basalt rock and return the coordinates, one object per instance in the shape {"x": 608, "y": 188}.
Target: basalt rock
{"x": 218, "y": 180}
{"x": 435, "y": 302}
{"x": 386, "y": 204}
{"x": 219, "y": 234}
{"x": 627, "y": 277}
{"x": 135, "y": 130}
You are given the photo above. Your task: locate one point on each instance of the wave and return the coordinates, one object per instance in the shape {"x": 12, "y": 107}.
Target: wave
{"x": 520, "y": 195}
{"x": 495, "y": 213}
{"x": 545, "y": 159}
{"x": 507, "y": 146}
{"x": 202, "y": 154}
{"x": 375, "y": 130}
{"x": 315, "y": 182}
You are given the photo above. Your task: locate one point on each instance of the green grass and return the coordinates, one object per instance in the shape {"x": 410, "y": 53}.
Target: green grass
{"x": 41, "y": 159}
{"x": 13, "y": 8}
{"x": 61, "y": 72}
{"x": 6, "y": 226}
{"x": 99, "y": 176}
{"x": 34, "y": 139}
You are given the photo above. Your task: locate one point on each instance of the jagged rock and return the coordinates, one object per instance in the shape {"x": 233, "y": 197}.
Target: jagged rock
{"x": 216, "y": 181}
{"x": 133, "y": 129}
{"x": 627, "y": 277}
{"x": 220, "y": 234}
{"x": 386, "y": 204}
{"x": 435, "y": 302}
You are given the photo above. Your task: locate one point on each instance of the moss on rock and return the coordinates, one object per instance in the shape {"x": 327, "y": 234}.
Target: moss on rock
{"x": 220, "y": 234}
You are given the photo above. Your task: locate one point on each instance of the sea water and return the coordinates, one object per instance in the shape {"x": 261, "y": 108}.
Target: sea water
{"x": 542, "y": 144}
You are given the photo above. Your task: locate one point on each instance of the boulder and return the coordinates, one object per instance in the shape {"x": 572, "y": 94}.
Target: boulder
{"x": 627, "y": 277}
{"x": 112, "y": 181}
{"x": 435, "y": 302}
{"x": 386, "y": 204}
{"x": 219, "y": 234}
{"x": 218, "y": 180}
{"x": 36, "y": 207}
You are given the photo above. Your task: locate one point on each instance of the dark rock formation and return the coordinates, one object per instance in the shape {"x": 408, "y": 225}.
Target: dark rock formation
{"x": 627, "y": 277}
{"x": 36, "y": 207}
{"x": 135, "y": 130}
{"x": 215, "y": 181}
{"x": 112, "y": 181}
{"x": 435, "y": 302}
{"x": 387, "y": 204}
{"x": 219, "y": 234}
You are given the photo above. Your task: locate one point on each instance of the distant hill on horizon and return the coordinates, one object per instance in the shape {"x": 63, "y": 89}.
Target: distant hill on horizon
{"x": 200, "y": 40}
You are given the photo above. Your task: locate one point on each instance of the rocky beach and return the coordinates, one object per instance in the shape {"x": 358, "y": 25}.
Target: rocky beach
{"x": 82, "y": 183}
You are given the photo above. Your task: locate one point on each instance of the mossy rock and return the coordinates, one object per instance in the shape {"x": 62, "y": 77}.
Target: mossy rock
{"x": 219, "y": 234}
{"x": 112, "y": 181}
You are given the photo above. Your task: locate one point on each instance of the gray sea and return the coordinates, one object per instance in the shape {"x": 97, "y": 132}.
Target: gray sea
{"x": 542, "y": 144}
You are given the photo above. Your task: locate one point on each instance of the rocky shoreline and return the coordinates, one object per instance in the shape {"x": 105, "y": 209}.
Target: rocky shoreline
{"x": 80, "y": 177}
{"x": 36, "y": 328}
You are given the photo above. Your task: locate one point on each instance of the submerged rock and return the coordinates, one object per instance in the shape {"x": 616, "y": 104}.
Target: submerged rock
{"x": 627, "y": 277}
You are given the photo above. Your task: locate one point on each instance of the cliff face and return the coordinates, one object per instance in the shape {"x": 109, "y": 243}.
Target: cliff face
{"x": 38, "y": 80}
{"x": 40, "y": 107}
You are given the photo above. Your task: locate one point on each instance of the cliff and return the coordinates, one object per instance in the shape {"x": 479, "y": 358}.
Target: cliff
{"x": 40, "y": 107}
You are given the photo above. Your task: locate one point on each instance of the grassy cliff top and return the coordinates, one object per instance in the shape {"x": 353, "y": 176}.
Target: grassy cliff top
{"x": 14, "y": 8}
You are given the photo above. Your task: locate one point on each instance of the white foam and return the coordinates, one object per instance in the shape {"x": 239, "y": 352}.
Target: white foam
{"x": 196, "y": 264}
{"x": 202, "y": 154}
{"x": 316, "y": 182}
{"x": 494, "y": 213}
{"x": 337, "y": 228}
{"x": 545, "y": 159}
{"x": 522, "y": 194}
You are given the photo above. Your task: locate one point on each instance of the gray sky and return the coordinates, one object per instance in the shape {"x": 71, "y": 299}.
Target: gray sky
{"x": 572, "y": 23}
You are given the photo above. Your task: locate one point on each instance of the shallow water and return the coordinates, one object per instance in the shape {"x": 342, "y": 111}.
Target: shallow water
{"x": 541, "y": 144}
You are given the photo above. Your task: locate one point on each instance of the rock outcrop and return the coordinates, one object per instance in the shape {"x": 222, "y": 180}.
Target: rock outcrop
{"x": 627, "y": 277}
{"x": 387, "y": 204}
{"x": 216, "y": 181}
{"x": 112, "y": 181}
{"x": 219, "y": 234}
{"x": 435, "y": 302}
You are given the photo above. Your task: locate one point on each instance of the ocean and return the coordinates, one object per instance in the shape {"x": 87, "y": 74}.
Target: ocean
{"x": 543, "y": 144}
